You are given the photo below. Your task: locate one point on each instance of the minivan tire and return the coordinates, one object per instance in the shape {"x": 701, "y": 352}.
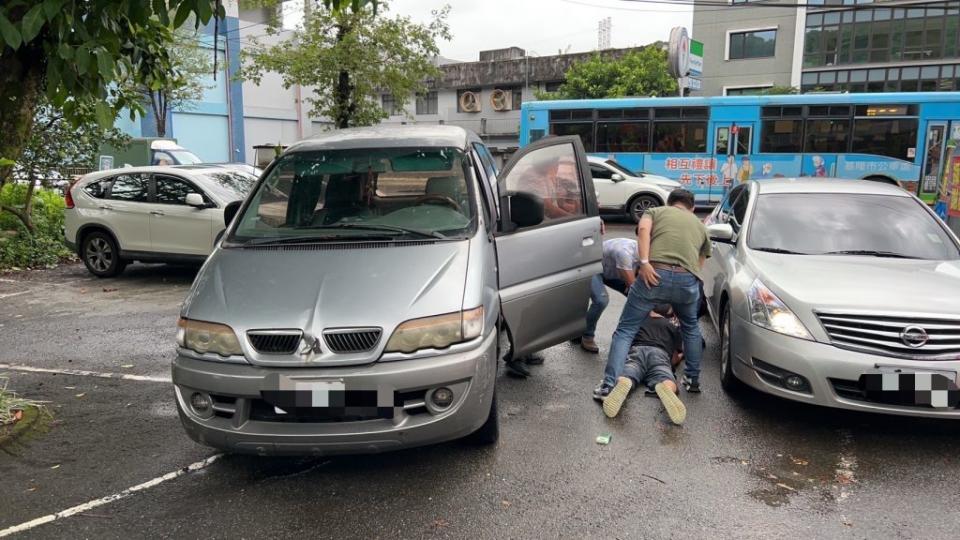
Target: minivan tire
{"x": 101, "y": 255}
{"x": 640, "y": 204}
{"x": 728, "y": 379}
{"x": 489, "y": 432}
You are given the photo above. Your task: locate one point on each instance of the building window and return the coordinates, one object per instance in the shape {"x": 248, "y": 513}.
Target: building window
{"x": 389, "y": 105}
{"x": 748, "y": 91}
{"x": 517, "y": 98}
{"x": 882, "y": 34}
{"x": 552, "y": 86}
{"x": 427, "y": 103}
{"x": 753, "y": 44}
{"x": 942, "y": 78}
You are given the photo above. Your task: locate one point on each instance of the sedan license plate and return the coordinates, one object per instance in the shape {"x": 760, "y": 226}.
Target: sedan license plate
{"x": 326, "y": 398}
{"x": 901, "y": 387}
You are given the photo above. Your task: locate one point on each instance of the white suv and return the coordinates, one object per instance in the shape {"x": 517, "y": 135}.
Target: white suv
{"x": 150, "y": 214}
{"x": 623, "y": 191}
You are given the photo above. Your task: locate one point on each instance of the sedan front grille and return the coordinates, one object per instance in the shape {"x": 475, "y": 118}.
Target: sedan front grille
{"x": 352, "y": 340}
{"x": 275, "y": 341}
{"x": 902, "y": 336}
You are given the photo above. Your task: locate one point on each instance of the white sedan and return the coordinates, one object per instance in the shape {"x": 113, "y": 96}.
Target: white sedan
{"x": 625, "y": 192}
{"x": 150, "y": 214}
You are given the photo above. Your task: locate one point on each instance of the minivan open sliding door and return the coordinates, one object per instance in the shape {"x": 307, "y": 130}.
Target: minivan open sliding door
{"x": 545, "y": 269}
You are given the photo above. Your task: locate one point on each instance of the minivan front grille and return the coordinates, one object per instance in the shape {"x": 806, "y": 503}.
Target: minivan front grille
{"x": 902, "y": 336}
{"x": 352, "y": 340}
{"x": 275, "y": 341}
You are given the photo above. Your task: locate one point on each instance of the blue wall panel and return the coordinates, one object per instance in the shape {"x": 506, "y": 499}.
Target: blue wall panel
{"x": 203, "y": 134}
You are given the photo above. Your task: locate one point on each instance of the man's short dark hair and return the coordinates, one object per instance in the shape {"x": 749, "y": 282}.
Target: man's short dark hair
{"x": 682, "y": 196}
{"x": 664, "y": 310}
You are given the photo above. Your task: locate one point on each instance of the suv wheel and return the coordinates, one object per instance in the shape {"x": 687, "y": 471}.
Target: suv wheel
{"x": 101, "y": 255}
{"x": 640, "y": 204}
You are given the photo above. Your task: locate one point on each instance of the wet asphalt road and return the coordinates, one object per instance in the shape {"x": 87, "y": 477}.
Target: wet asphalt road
{"x": 753, "y": 467}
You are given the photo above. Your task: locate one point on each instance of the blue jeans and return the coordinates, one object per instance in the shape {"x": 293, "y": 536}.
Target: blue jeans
{"x": 679, "y": 289}
{"x": 599, "y": 300}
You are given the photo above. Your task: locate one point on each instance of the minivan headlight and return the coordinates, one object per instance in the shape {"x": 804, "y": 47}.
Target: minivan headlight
{"x": 437, "y": 332}
{"x": 770, "y": 312}
{"x": 206, "y": 337}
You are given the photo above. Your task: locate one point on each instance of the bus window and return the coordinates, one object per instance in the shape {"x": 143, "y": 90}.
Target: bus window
{"x": 583, "y": 129}
{"x": 679, "y": 136}
{"x": 743, "y": 140}
{"x": 827, "y": 135}
{"x": 723, "y": 141}
{"x": 623, "y": 136}
{"x": 781, "y": 136}
{"x": 892, "y": 137}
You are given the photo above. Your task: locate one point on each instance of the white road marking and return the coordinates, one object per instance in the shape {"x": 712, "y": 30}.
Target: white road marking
{"x": 109, "y": 498}
{"x": 9, "y": 295}
{"x": 85, "y": 373}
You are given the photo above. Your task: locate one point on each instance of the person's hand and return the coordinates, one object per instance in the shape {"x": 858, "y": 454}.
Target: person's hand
{"x": 603, "y": 227}
{"x": 649, "y": 275}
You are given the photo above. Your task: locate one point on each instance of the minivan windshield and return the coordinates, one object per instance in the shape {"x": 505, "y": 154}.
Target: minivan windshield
{"x": 848, "y": 224}
{"x": 361, "y": 194}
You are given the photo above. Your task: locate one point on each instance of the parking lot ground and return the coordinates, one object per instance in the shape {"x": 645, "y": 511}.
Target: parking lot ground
{"x": 754, "y": 467}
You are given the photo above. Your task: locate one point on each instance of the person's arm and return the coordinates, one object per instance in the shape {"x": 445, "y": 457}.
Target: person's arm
{"x": 647, "y": 273}
{"x": 627, "y": 276}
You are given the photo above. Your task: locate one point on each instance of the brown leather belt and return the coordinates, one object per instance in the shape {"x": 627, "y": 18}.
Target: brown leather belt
{"x": 670, "y": 267}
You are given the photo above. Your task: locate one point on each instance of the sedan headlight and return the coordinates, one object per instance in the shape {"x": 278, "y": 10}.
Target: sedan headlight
{"x": 770, "y": 312}
{"x": 436, "y": 332}
{"x": 206, "y": 337}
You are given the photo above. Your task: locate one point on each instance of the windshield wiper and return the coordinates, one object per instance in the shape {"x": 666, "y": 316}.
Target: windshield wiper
{"x": 778, "y": 250}
{"x": 381, "y": 227}
{"x": 871, "y": 253}
{"x": 291, "y": 240}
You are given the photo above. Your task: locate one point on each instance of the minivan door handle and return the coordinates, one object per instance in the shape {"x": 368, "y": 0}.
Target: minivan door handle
{"x": 587, "y": 241}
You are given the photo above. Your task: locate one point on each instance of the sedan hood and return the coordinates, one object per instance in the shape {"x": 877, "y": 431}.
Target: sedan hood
{"x": 861, "y": 282}
{"x": 324, "y": 286}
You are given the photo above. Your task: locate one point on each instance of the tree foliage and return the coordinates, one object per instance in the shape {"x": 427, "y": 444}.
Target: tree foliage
{"x": 350, "y": 57}
{"x": 187, "y": 64}
{"x": 640, "y": 73}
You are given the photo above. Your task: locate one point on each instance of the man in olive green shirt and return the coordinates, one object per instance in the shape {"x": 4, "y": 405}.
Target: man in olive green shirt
{"x": 673, "y": 244}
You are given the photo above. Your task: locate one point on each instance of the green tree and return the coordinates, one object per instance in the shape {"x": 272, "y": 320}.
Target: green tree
{"x": 780, "y": 90}
{"x": 637, "y": 73}
{"x": 182, "y": 84}
{"x": 73, "y": 51}
{"x": 352, "y": 56}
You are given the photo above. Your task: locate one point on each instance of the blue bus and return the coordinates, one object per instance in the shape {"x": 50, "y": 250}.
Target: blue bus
{"x": 712, "y": 143}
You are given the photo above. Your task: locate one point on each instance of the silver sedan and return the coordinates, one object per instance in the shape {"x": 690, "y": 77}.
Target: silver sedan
{"x": 837, "y": 293}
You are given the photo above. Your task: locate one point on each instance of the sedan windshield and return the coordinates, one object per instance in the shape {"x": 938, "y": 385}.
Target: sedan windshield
{"x": 361, "y": 193}
{"x": 848, "y": 224}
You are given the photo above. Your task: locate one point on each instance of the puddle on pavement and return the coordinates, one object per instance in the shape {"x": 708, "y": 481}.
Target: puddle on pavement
{"x": 786, "y": 476}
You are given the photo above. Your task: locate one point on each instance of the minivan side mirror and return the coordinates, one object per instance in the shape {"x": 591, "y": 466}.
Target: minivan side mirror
{"x": 617, "y": 177}
{"x": 195, "y": 200}
{"x": 526, "y": 209}
{"x": 230, "y": 211}
{"x": 720, "y": 232}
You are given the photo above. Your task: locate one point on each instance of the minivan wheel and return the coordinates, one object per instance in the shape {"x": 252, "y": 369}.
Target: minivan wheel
{"x": 728, "y": 380}
{"x": 489, "y": 432}
{"x": 101, "y": 255}
{"x": 640, "y": 204}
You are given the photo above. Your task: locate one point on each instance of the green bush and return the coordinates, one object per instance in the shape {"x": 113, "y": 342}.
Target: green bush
{"x": 46, "y": 246}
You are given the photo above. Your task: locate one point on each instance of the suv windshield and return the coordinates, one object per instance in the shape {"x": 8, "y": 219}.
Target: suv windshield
{"x": 621, "y": 168}
{"x": 230, "y": 185}
{"x": 359, "y": 194}
{"x": 848, "y": 224}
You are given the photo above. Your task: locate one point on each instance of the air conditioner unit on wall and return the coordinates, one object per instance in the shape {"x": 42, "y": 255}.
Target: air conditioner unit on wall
{"x": 501, "y": 100}
{"x": 470, "y": 102}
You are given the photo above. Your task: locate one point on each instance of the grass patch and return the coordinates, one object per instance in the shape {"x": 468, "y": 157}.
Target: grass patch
{"x": 14, "y": 408}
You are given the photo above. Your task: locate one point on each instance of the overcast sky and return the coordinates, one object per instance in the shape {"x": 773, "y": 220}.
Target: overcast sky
{"x": 543, "y": 27}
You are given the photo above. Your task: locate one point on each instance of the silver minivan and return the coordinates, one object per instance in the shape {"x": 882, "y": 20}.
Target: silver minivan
{"x": 367, "y": 287}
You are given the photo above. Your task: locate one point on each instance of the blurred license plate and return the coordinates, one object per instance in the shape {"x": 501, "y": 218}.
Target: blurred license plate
{"x": 902, "y": 387}
{"x": 286, "y": 392}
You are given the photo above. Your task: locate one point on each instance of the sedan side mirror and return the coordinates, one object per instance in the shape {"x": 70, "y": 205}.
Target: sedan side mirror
{"x": 526, "y": 209}
{"x": 196, "y": 200}
{"x": 617, "y": 177}
{"x": 230, "y": 211}
{"x": 720, "y": 232}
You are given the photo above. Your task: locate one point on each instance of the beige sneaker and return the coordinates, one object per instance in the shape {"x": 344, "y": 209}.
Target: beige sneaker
{"x": 589, "y": 344}
{"x": 671, "y": 402}
{"x": 616, "y": 397}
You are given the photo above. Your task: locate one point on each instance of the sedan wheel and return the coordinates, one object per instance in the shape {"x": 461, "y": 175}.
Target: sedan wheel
{"x": 640, "y": 204}
{"x": 728, "y": 380}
